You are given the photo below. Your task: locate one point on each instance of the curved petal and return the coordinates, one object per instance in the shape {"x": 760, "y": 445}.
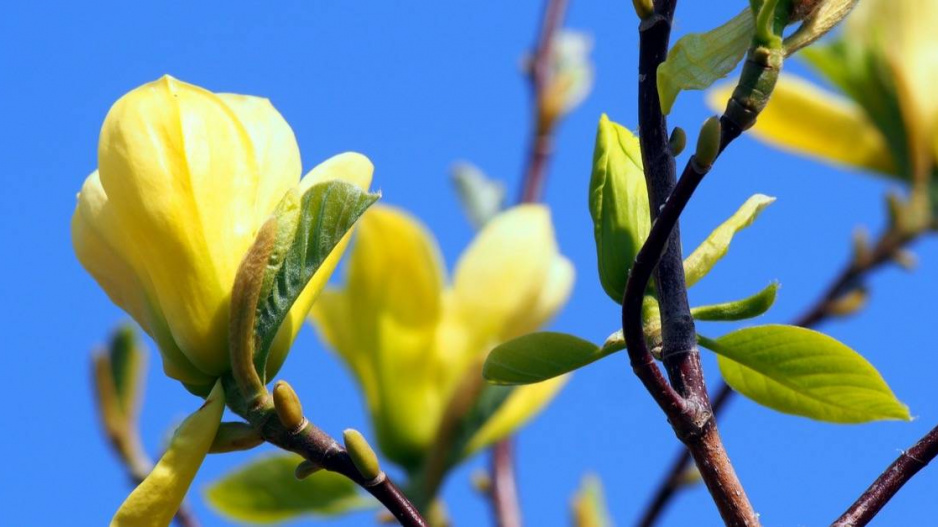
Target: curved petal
{"x": 804, "y": 119}
{"x": 155, "y": 501}
{"x": 554, "y": 294}
{"x": 275, "y": 149}
{"x": 501, "y": 274}
{"x": 179, "y": 168}
{"x": 520, "y": 407}
{"x": 352, "y": 168}
{"x": 95, "y": 251}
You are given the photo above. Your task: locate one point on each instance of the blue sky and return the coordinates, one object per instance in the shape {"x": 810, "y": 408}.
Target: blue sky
{"x": 417, "y": 86}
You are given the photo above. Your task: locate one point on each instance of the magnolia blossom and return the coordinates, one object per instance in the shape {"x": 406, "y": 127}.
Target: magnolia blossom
{"x": 414, "y": 340}
{"x": 185, "y": 179}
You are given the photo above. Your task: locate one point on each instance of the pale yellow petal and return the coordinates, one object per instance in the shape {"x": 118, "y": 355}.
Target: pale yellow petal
{"x": 556, "y": 290}
{"x": 179, "y": 168}
{"x": 275, "y": 149}
{"x": 155, "y": 501}
{"x": 349, "y": 166}
{"x": 502, "y": 273}
{"x": 520, "y": 407}
{"x": 94, "y": 240}
{"x": 804, "y": 119}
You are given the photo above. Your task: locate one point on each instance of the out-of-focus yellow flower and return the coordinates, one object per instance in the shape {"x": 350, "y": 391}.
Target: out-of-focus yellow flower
{"x": 412, "y": 339}
{"x": 886, "y": 63}
{"x": 185, "y": 179}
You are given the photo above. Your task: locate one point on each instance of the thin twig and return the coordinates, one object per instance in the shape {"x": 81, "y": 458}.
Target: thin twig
{"x": 504, "y": 486}
{"x": 685, "y": 400}
{"x": 891, "y": 243}
{"x": 532, "y": 185}
{"x": 319, "y": 448}
{"x": 505, "y": 489}
{"x": 889, "y": 482}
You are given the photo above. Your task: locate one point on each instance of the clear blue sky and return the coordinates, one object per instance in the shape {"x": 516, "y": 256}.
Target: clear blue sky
{"x": 417, "y": 86}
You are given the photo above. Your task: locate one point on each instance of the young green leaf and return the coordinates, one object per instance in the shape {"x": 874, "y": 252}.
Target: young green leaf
{"x": 743, "y": 309}
{"x": 481, "y": 197}
{"x": 537, "y": 357}
{"x": 802, "y": 372}
{"x": 618, "y": 202}
{"x": 698, "y": 60}
{"x": 267, "y": 491}
{"x": 325, "y": 213}
{"x": 705, "y": 256}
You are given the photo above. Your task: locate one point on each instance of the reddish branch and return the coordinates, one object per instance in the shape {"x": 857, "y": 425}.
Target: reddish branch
{"x": 889, "y": 482}
{"x": 684, "y": 399}
{"x": 889, "y": 245}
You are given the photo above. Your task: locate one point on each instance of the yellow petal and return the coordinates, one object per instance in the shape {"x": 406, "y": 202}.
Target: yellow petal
{"x": 275, "y": 149}
{"x": 155, "y": 501}
{"x": 501, "y": 274}
{"x": 94, "y": 245}
{"x": 179, "y": 168}
{"x": 522, "y": 405}
{"x": 385, "y": 327}
{"x": 352, "y": 168}
{"x": 554, "y": 294}
{"x": 804, "y": 119}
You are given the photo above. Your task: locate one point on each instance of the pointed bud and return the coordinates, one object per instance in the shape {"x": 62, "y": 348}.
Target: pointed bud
{"x": 678, "y": 141}
{"x": 306, "y": 469}
{"x": 906, "y": 259}
{"x": 643, "y": 8}
{"x": 861, "y": 247}
{"x": 363, "y": 456}
{"x": 481, "y": 482}
{"x": 288, "y": 407}
{"x": 848, "y": 303}
{"x": 708, "y": 143}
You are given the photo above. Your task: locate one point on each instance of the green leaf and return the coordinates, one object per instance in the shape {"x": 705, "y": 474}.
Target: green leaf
{"x": 743, "y": 309}
{"x": 698, "y": 60}
{"x": 482, "y": 197}
{"x": 536, "y": 357}
{"x": 802, "y": 372}
{"x": 325, "y": 213}
{"x": 618, "y": 201}
{"x": 266, "y": 491}
{"x": 714, "y": 248}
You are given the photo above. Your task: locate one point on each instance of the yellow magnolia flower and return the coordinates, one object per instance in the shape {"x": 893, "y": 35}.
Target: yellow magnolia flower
{"x": 886, "y": 63}
{"x": 412, "y": 340}
{"x": 185, "y": 179}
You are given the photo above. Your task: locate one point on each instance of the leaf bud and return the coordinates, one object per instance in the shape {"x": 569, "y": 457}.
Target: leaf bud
{"x": 363, "y": 456}
{"x": 678, "y": 141}
{"x": 306, "y": 469}
{"x": 288, "y": 407}
{"x": 708, "y": 143}
{"x": 643, "y": 8}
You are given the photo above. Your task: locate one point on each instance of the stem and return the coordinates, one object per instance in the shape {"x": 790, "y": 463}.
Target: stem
{"x": 685, "y": 400}
{"x": 532, "y": 185}
{"x": 889, "y": 482}
{"x": 504, "y": 487}
{"x": 887, "y": 247}
{"x": 318, "y": 447}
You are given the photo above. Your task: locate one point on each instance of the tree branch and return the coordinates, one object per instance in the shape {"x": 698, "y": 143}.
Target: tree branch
{"x": 532, "y": 185}
{"x": 504, "y": 487}
{"x": 320, "y": 449}
{"x": 684, "y": 400}
{"x": 887, "y": 247}
{"x": 889, "y": 482}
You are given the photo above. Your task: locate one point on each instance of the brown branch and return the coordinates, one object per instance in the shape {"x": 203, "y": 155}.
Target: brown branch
{"x": 685, "y": 400}
{"x": 544, "y": 119}
{"x": 319, "y": 448}
{"x": 504, "y": 493}
{"x": 889, "y": 482}
{"x": 504, "y": 488}
{"x": 889, "y": 245}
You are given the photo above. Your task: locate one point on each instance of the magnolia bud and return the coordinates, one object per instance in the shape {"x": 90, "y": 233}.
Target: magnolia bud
{"x": 708, "y": 143}
{"x": 288, "y": 407}
{"x": 364, "y": 458}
